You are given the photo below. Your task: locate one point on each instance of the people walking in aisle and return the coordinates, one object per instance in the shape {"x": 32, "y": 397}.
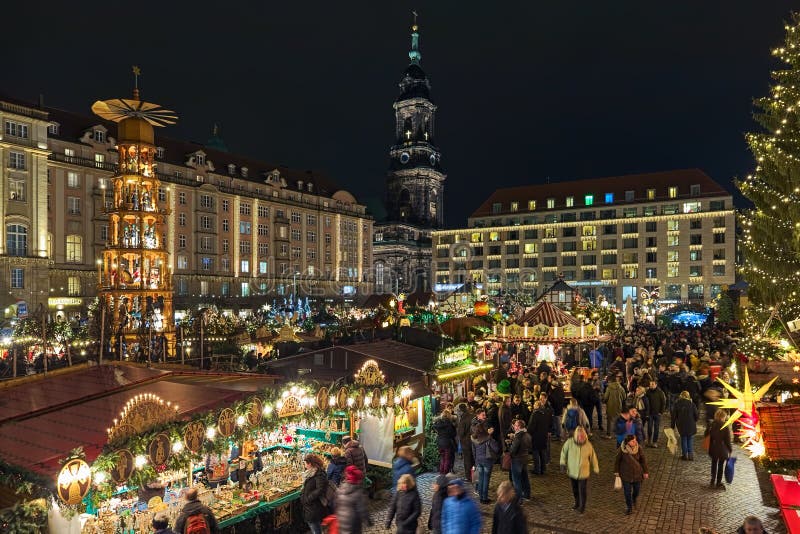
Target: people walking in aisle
{"x": 719, "y": 447}
{"x": 658, "y": 403}
{"x": 597, "y": 400}
{"x": 403, "y": 464}
{"x": 578, "y": 460}
{"x": 539, "y": 429}
{"x": 445, "y": 441}
{"x": 508, "y": 515}
{"x": 315, "y": 485}
{"x": 439, "y": 489}
{"x": 463, "y": 424}
{"x": 574, "y": 417}
{"x": 614, "y": 398}
{"x": 630, "y": 466}
{"x": 460, "y": 514}
{"x": 684, "y": 420}
{"x": 485, "y": 450}
{"x": 351, "y": 508}
{"x": 520, "y": 450}
{"x": 405, "y": 507}
{"x": 627, "y": 424}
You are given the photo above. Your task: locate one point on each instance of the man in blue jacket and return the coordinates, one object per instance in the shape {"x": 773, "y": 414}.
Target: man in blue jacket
{"x": 460, "y": 514}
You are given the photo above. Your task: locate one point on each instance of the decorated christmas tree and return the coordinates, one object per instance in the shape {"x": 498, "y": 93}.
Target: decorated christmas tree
{"x": 771, "y": 229}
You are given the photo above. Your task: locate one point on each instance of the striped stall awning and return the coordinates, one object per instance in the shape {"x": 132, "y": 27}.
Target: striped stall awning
{"x": 545, "y": 313}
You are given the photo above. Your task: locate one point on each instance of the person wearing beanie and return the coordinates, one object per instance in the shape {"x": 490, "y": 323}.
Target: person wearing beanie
{"x": 161, "y": 524}
{"x": 439, "y": 495}
{"x": 351, "y": 508}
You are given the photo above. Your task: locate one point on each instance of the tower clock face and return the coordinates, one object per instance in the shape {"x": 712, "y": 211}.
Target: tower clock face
{"x": 404, "y": 158}
{"x": 433, "y": 159}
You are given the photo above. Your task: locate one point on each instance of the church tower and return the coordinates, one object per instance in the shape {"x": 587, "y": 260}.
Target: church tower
{"x": 401, "y": 248}
{"x": 415, "y": 179}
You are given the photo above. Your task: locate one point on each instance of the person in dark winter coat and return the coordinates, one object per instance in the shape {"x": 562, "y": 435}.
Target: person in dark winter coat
{"x": 403, "y": 465}
{"x": 463, "y": 424}
{"x": 354, "y": 453}
{"x": 508, "y": 515}
{"x": 628, "y": 424}
{"x": 719, "y": 447}
{"x": 336, "y": 466}
{"x": 437, "y": 500}
{"x": 351, "y": 508}
{"x": 631, "y": 466}
{"x": 539, "y": 429}
{"x": 194, "y": 507}
{"x": 684, "y": 420}
{"x": 405, "y": 508}
{"x": 557, "y": 403}
{"x": 315, "y": 484}
{"x": 445, "y": 441}
{"x": 460, "y": 514}
{"x": 658, "y": 403}
{"x": 485, "y": 450}
{"x": 520, "y": 449}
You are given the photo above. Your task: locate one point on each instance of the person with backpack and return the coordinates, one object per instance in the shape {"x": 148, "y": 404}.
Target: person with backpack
{"x": 351, "y": 508}
{"x": 314, "y": 493}
{"x": 614, "y": 398}
{"x": 196, "y": 517}
{"x": 574, "y": 417}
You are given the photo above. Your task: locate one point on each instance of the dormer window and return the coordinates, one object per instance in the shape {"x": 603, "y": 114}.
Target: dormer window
{"x": 309, "y": 187}
{"x": 231, "y": 168}
{"x": 99, "y": 136}
{"x": 160, "y": 152}
{"x": 244, "y": 172}
{"x": 299, "y": 185}
{"x": 694, "y": 190}
{"x": 199, "y": 159}
{"x": 53, "y": 128}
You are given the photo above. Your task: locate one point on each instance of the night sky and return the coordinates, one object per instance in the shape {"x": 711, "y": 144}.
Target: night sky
{"x": 526, "y": 90}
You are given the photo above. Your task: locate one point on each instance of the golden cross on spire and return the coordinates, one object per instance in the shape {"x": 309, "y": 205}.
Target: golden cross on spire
{"x": 136, "y": 72}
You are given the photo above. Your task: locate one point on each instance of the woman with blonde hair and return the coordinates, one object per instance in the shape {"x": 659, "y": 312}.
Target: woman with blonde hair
{"x": 719, "y": 447}
{"x": 508, "y": 515}
{"x": 684, "y": 420}
{"x": 578, "y": 459}
{"x": 405, "y": 508}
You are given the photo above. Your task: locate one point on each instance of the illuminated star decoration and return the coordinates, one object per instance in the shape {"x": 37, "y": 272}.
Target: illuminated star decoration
{"x": 743, "y": 405}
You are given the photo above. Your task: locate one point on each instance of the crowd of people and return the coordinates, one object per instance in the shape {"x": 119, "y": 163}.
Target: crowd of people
{"x": 649, "y": 381}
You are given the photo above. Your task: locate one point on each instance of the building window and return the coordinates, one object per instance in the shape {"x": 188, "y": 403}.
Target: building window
{"x": 182, "y": 241}
{"x": 672, "y": 192}
{"x": 570, "y": 202}
{"x": 183, "y": 286}
{"x": 103, "y": 232}
{"x": 205, "y": 222}
{"x": 225, "y": 225}
{"x": 716, "y": 205}
{"x": 74, "y": 205}
{"x": 206, "y": 264}
{"x": 673, "y": 240}
{"x": 16, "y": 160}
{"x": 206, "y": 201}
{"x": 719, "y": 239}
{"x": 719, "y": 270}
{"x": 672, "y": 255}
{"x": 73, "y": 286}
{"x": 263, "y": 211}
{"x": 263, "y": 249}
{"x": 695, "y": 255}
{"x": 328, "y": 238}
{"x": 650, "y": 226}
{"x": 199, "y": 159}
{"x": 162, "y": 194}
{"x": 515, "y": 206}
{"x": 694, "y": 190}
{"x": 630, "y": 195}
{"x": 99, "y": 160}
{"x": 551, "y": 203}
{"x": 160, "y": 152}
{"x": 225, "y": 205}
{"x": 531, "y": 205}
{"x": 16, "y": 189}
{"x": 497, "y": 207}
{"x": 244, "y": 208}
{"x": 588, "y": 200}
{"x": 72, "y": 180}
{"x": 16, "y": 129}
{"x": 74, "y": 249}
{"x": 17, "y": 278}
{"x": 182, "y": 197}
{"x": 651, "y": 194}
{"x": 16, "y": 240}
{"x": 672, "y": 271}
{"x": 245, "y": 227}
{"x": 719, "y": 253}
{"x": 295, "y": 217}
{"x": 651, "y": 257}
{"x": 696, "y": 239}
{"x": 244, "y": 266}
{"x": 52, "y": 129}
{"x": 181, "y": 219}
{"x": 206, "y": 243}
{"x": 245, "y": 289}
{"x": 183, "y": 262}
{"x": 311, "y": 237}
{"x": 262, "y": 267}
{"x": 263, "y": 229}
{"x": 244, "y": 247}
{"x": 295, "y": 234}
{"x": 99, "y": 136}
{"x": 672, "y": 226}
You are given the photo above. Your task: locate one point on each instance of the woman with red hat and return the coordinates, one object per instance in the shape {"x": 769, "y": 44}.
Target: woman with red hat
{"x": 351, "y": 510}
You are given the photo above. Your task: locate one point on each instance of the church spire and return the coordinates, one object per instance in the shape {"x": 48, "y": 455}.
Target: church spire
{"x": 414, "y": 55}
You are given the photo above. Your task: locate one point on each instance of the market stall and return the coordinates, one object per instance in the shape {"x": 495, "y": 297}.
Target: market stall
{"x": 246, "y": 454}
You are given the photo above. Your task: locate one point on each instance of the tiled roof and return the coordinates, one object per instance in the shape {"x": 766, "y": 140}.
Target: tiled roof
{"x": 73, "y": 125}
{"x": 780, "y": 427}
{"x": 599, "y": 187}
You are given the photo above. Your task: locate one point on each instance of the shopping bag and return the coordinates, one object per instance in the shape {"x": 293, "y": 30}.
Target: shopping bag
{"x": 706, "y": 442}
{"x": 672, "y": 440}
{"x": 617, "y": 483}
{"x": 730, "y": 465}
{"x": 505, "y": 463}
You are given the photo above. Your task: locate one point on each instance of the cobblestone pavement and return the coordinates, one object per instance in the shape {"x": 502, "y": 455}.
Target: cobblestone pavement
{"x": 675, "y": 499}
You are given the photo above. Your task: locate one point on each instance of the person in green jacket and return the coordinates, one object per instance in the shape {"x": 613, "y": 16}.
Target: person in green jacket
{"x": 578, "y": 459}
{"x": 614, "y": 398}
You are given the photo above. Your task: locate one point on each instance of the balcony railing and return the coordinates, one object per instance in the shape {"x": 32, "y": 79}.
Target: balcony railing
{"x": 84, "y": 162}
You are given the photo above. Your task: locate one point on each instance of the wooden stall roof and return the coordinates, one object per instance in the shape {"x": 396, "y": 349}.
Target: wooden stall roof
{"x": 780, "y": 426}
{"x": 545, "y": 313}
{"x": 44, "y": 420}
